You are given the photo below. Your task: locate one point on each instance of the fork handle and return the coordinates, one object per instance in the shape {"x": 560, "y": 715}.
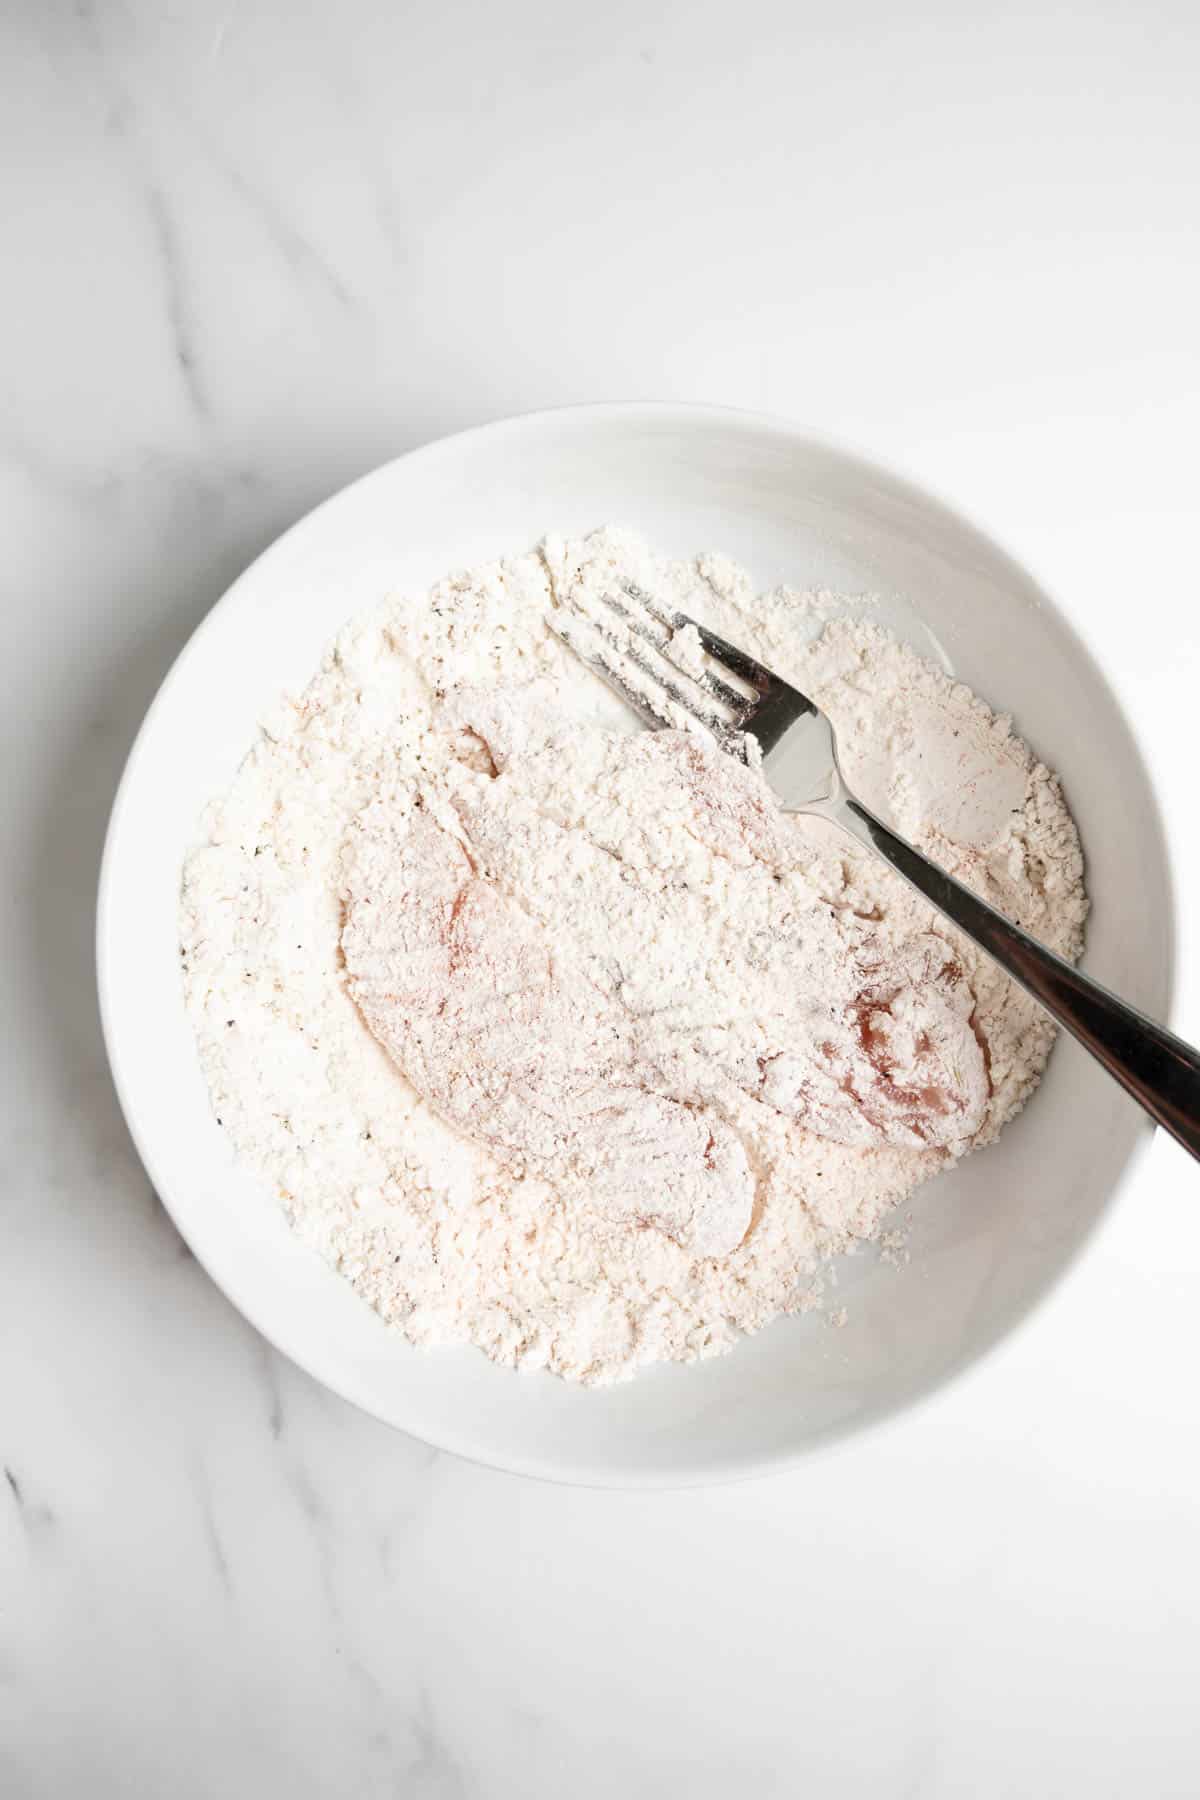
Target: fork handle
{"x": 1159, "y": 1070}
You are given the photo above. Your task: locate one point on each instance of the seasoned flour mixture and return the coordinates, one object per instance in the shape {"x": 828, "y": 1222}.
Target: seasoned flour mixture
{"x": 552, "y": 1033}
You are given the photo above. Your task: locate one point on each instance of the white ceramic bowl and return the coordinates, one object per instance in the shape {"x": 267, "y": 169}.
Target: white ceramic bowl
{"x": 989, "y": 1239}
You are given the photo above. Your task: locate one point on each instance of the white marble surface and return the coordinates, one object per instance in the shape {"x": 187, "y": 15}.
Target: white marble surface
{"x": 251, "y": 250}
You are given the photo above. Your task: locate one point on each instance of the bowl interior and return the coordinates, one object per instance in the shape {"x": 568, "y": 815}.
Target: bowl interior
{"x": 988, "y": 1239}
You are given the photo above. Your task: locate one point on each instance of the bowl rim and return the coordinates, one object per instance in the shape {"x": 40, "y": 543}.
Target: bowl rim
{"x": 844, "y": 1434}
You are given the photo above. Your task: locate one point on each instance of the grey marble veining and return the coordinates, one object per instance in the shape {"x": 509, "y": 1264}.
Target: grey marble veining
{"x": 250, "y": 251}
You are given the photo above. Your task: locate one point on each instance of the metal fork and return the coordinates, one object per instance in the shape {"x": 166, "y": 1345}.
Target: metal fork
{"x": 649, "y": 655}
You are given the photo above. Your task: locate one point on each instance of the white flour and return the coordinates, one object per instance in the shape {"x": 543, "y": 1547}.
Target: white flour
{"x": 664, "y": 1051}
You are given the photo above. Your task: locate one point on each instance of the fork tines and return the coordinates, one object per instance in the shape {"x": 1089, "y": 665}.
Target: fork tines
{"x": 659, "y": 662}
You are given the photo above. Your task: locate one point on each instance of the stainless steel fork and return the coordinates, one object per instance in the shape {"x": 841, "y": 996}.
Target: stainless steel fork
{"x": 675, "y": 672}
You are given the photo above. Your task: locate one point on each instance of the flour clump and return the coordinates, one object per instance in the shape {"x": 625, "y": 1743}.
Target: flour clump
{"x": 552, "y": 1033}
